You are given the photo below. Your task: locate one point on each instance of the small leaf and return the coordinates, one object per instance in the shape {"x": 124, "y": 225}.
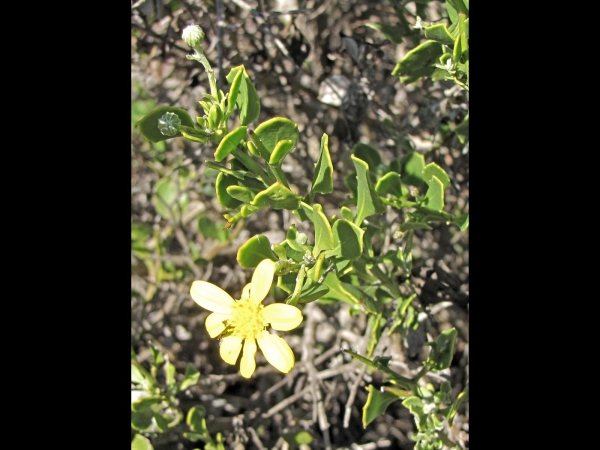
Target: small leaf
{"x": 462, "y": 130}
{"x": 277, "y": 129}
{"x": 241, "y": 193}
{"x": 442, "y": 352}
{"x": 170, "y": 373}
{"x": 347, "y": 213}
{"x": 222, "y": 183}
{"x": 195, "y": 419}
{"x": 348, "y": 240}
{"x": 254, "y": 250}
{"x": 140, "y": 442}
{"x": 191, "y": 377}
{"x": 462, "y": 221}
{"x": 229, "y": 143}
{"x": 390, "y": 184}
{"x": 439, "y": 33}
{"x": 148, "y": 126}
{"x": 420, "y": 57}
{"x": 247, "y": 99}
{"x": 412, "y": 169}
{"x": 323, "y": 232}
{"x": 323, "y": 176}
{"x": 136, "y": 375}
{"x": 377, "y": 403}
{"x": 368, "y": 202}
{"x": 312, "y": 291}
{"x": 277, "y": 196}
{"x": 282, "y": 148}
{"x": 432, "y": 169}
{"x": 435, "y": 195}
{"x": 145, "y": 402}
{"x": 391, "y": 33}
{"x": 368, "y": 154}
{"x": 296, "y": 240}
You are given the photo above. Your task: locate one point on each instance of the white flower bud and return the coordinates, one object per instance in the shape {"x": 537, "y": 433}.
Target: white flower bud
{"x": 193, "y": 35}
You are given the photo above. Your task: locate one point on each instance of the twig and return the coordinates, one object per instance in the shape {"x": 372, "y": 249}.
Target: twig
{"x": 284, "y": 403}
{"x": 308, "y": 345}
{"x": 352, "y": 395}
{"x": 255, "y": 439}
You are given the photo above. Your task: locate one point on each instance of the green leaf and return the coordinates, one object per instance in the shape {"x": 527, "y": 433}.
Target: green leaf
{"x": 211, "y": 229}
{"x": 195, "y": 419}
{"x": 282, "y": 148}
{"x": 222, "y": 183}
{"x": 296, "y": 240}
{"x": 145, "y": 402}
{"x": 347, "y": 213}
{"x": 368, "y": 154}
{"x": 142, "y": 420}
{"x": 234, "y": 90}
{"x": 312, "y": 291}
{"x": 368, "y": 203}
{"x": 277, "y": 129}
{"x": 277, "y": 196}
{"x": 161, "y": 422}
{"x": 165, "y": 199}
{"x": 140, "y": 442}
{"x": 348, "y": 240}
{"x": 377, "y": 403}
{"x": 432, "y": 169}
{"x": 391, "y": 33}
{"x": 247, "y": 99}
{"x": 254, "y": 250}
{"x": 229, "y": 143}
{"x": 439, "y": 33}
{"x": 323, "y": 175}
{"x": 413, "y": 165}
{"x": 390, "y": 184}
{"x": 136, "y": 375}
{"x": 407, "y": 226}
{"x": 241, "y": 193}
{"x": 421, "y": 57}
{"x": 442, "y": 350}
{"x": 435, "y": 194}
{"x": 148, "y": 126}
{"x": 190, "y": 378}
{"x": 323, "y": 232}
{"x": 462, "y": 221}
{"x": 341, "y": 291}
{"x": 462, "y": 130}
{"x": 170, "y": 373}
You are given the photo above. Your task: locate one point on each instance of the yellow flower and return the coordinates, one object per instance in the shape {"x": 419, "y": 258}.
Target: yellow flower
{"x": 244, "y": 321}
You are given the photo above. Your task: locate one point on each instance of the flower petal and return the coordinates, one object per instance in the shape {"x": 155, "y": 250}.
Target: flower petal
{"x": 262, "y": 280}
{"x": 230, "y": 349}
{"x": 282, "y": 317}
{"x": 277, "y": 352}
{"x": 214, "y": 323}
{"x": 246, "y": 291}
{"x": 211, "y": 297}
{"x": 248, "y": 363}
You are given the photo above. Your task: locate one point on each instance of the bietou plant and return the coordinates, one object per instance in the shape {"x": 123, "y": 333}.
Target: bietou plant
{"x": 343, "y": 262}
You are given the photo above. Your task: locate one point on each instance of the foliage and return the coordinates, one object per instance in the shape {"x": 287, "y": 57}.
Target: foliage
{"x": 341, "y": 262}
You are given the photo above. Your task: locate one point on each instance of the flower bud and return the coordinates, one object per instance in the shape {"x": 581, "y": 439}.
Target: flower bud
{"x": 193, "y": 35}
{"x": 169, "y": 124}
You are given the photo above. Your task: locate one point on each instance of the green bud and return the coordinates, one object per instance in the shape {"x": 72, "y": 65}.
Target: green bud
{"x": 169, "y": 124}
{"x": 193, "y": 35}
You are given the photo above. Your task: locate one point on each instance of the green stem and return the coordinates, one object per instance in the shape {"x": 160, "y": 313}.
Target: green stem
{"x": 199, "y": 56}
{"x": 250, "y": 164}
{"x": 298, "y": 288}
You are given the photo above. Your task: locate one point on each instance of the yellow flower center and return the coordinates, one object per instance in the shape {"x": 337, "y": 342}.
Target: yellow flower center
{"x": 247, "y": 319}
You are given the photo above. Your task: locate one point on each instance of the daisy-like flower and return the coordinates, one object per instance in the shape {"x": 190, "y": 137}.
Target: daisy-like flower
{"x": 243, "y": 322}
